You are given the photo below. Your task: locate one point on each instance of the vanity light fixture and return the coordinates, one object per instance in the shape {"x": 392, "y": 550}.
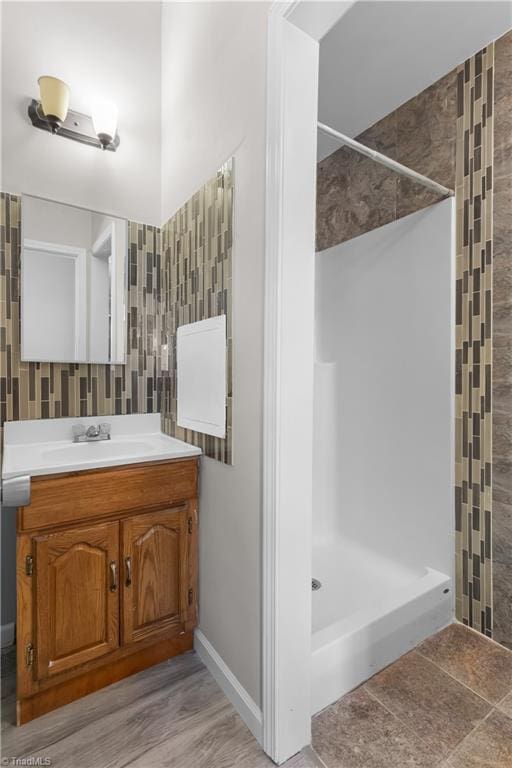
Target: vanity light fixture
{"x": 51, "y": 113}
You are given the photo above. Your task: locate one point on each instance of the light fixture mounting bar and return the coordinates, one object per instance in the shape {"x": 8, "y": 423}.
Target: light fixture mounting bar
{"x": 76, "y": 126}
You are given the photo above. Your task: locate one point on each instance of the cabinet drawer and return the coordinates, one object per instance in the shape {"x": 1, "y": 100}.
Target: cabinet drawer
{"x": 102, "y": 493}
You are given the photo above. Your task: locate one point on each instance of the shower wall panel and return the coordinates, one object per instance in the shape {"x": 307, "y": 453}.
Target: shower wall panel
{"x": 385, "y": 379}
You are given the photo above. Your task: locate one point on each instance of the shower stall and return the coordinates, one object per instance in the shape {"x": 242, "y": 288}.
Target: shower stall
{"x": 383, "y": 518}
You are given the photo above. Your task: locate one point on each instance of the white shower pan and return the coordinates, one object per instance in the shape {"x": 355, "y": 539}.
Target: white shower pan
{"x": 367, "y": 613}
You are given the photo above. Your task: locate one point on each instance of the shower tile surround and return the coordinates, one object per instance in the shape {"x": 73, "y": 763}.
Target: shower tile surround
{"x": 190, "y": 280}
{"x": 452, "y": 133}
{"x": 473, "y": 341}
{"x": 502, "y": 344}
{"x": 197, "y": 285}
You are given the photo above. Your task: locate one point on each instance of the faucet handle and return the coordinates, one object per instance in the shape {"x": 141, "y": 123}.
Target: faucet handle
{"x": 78, "y": 430}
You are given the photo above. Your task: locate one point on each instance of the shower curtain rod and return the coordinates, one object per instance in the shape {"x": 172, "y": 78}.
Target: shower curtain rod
{"x": 387, "y": 161}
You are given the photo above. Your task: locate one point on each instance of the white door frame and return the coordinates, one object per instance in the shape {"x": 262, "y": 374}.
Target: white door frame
{"x": 292, "y": 72}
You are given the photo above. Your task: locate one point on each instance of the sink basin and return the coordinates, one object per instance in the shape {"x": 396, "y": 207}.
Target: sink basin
{"x": 99, "y": 450}
{"x": 45, "y": 446}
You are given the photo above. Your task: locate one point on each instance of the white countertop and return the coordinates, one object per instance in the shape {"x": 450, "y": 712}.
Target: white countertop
{"x": 45, "y": 447}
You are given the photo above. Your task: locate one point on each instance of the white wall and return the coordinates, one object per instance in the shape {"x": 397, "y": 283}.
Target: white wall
{"x": 50, "y": 327}
{"x": 97, "y": 308}
{"x": 376, "y": 37}
{"x": 99, "y": 288}
{"x": 99, "y": 350}
{"x": 102, "y": 50}
{"x": 214, "y": 62}
{"x": 58, "y": 224}
{"x": 384, "y": 325}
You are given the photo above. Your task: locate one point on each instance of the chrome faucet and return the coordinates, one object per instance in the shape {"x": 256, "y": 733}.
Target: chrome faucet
{"x": 92, "y": 434}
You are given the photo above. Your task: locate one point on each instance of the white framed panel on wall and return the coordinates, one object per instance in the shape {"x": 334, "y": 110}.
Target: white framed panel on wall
{"x": 201, "y": 376}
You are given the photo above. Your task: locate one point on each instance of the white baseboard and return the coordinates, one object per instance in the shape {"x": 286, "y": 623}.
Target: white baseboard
{"x": 236, "y": 693}
{"x": 7, "y": 634}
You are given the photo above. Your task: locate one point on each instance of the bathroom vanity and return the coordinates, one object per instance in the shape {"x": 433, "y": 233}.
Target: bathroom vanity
{"x": 106, "y": 555}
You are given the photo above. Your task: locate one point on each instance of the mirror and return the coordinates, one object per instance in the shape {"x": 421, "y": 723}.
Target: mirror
{"x": 73, "y": 284}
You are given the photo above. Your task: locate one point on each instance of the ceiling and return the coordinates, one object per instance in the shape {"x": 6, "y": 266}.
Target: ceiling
{"x": 380, "y": 54}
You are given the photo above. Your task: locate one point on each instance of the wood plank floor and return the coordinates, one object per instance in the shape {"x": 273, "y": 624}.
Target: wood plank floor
{"x": 173, "y": 714}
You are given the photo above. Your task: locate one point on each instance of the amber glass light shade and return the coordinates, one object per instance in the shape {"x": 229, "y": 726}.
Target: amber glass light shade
{"x": 54, "y": 100}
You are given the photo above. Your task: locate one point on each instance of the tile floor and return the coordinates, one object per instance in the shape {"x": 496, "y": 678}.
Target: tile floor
{"x": 447, "y": 704}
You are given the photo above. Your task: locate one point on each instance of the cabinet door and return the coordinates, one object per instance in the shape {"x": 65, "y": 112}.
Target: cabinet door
{"x": 155, "y": 574}
{"x": 76, "y": 597}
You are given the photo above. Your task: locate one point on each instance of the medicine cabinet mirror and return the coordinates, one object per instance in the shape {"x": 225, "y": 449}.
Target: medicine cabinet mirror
{"x": 73, "y": 284}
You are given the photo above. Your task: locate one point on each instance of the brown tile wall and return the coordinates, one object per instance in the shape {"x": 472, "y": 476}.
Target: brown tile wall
{"x": 446, "y": 132}
{"x": 502, "y": 343}
{"x": 355, "y": 194}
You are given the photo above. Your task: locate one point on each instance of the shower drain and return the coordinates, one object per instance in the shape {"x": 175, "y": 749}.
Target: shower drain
{"x": 315, "y": 584}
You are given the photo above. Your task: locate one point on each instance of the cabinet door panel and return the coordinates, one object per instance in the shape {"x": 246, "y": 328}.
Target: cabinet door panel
{"x": 155, "y": 579}
{"x": 77, "y": 599}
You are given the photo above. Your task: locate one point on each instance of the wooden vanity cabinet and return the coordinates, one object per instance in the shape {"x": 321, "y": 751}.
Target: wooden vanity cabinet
{"x": 107, "y": 589}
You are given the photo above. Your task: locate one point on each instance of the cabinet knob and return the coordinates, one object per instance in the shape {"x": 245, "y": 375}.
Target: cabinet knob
{"x": 113, "y": 575}
{"x": 128, "y": 566}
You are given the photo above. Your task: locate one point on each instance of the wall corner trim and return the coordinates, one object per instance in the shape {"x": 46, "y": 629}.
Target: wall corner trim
{"x": 292, "y": 99}
{"x": 234, "y": 690}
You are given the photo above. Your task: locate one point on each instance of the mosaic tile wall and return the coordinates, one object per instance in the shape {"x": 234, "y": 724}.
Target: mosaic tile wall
{"x": 197, "y": 284}
{"x": 176, "y": 275}
{"x": 502, "y": 345}
{"x": 47, "y": 390}
{"x": 473, "y": 387}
